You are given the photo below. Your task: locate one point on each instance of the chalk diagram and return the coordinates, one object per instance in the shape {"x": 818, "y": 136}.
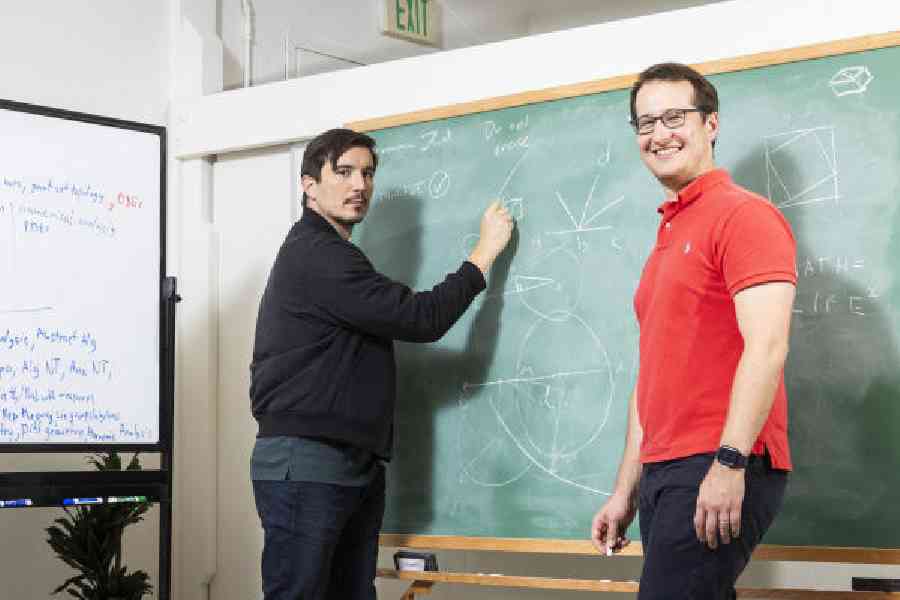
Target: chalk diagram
{"x": 548, "y": 286}
{"x": 586, "y": 223}
{"x": 851, "y": 80}
{"x": 439, "y": 184}
{"x": 516, "y": 207}
{"x": 555, "y": 405}
{"x": 801, "y": 167}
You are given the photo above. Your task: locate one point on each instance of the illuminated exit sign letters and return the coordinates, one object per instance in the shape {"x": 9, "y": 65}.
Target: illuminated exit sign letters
{"x": 413, "y": 20}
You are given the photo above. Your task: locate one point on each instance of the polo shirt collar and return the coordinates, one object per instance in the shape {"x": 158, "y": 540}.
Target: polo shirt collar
{"x": 694, "y": 190}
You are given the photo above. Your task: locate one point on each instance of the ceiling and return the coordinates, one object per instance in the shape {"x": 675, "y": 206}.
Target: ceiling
{"x": 295, "y": 38}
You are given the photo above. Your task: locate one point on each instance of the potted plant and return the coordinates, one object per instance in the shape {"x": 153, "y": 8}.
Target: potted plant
{"x": 89, "y": 539}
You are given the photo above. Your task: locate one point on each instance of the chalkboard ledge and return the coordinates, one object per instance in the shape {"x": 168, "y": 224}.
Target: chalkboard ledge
{"x": 836, "y": 554}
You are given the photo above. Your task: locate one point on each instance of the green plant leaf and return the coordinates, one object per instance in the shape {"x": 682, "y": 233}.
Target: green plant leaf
{"x": 89, "y": 539}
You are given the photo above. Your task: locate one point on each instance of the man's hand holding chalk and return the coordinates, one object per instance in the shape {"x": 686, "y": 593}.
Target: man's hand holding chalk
{"x": 609, "y": 524}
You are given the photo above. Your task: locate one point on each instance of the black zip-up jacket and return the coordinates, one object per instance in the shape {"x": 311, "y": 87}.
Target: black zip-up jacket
{"x": 323, "y": 358}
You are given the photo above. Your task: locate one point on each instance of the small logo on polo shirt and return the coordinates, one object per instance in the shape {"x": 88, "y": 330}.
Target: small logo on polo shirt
{"x": 687, "y": 247}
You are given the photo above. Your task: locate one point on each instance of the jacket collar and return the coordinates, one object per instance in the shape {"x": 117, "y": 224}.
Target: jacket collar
{"x": 314, "y": 220}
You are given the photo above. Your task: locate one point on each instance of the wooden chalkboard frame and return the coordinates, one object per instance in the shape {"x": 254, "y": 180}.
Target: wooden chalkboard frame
{"x": 422, "y": 582}
{"x": 837, "y": 554}
{"x": 725, "y": 65}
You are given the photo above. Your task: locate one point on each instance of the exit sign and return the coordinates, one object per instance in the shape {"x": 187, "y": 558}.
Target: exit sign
{"x": 413, "y": 20}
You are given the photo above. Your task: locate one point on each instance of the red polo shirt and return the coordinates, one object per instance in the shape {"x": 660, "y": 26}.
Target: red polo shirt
{"x": 715, "y": 239}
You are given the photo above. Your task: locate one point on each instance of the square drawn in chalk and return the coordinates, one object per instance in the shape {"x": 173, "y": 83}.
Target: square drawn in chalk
{"x": 801, "y": 167}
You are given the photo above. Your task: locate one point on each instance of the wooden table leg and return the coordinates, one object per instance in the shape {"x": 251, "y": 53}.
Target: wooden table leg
{"x": 421, "y": 588}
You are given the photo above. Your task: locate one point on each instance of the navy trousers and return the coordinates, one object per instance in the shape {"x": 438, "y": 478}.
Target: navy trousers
{"x": 676, "y": 565}
{"x": 321, "y": 540}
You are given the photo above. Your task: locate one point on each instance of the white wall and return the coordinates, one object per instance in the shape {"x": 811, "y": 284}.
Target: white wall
{"x": 253, "y": 214}
{"x": 250, "y": 195}
{"x": 297, "y": 109}
{"x": 351, "y": 30}
{"x": 105, "y": 57}
{"x": 583, "y": 12}
{"x": 348, "y": 29}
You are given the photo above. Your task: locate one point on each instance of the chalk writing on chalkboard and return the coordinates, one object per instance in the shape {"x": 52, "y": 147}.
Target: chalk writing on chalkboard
{"x": 513, "y": 424}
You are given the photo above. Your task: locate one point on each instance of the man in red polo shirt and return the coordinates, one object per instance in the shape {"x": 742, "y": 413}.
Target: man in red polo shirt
{"x": 706, "y": 453}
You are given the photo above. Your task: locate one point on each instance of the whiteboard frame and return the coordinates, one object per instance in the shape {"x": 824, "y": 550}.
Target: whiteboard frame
{"x": 166, "y": 375}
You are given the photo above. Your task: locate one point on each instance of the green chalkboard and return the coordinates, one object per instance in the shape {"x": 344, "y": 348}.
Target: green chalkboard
{"x": 513, "y": 424}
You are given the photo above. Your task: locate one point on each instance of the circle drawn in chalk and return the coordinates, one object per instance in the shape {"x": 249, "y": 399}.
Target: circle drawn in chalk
{"x": 565, "y": 400}
{"x": 550, "y": 287}
{"x": 439, "y": 184}
{"x": 544, "y": 417}
{"x": 489, "y": 458}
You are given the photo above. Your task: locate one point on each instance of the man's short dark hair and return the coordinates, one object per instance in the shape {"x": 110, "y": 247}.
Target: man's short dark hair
{"x": 705, "y": 96}
{"x": 330, "y": 146}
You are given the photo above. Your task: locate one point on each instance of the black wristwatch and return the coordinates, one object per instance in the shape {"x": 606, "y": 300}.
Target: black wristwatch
{"x": 731, "y": 457}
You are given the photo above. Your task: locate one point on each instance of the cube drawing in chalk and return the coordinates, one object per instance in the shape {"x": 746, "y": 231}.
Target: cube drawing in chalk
{"x": 852, "y": 80}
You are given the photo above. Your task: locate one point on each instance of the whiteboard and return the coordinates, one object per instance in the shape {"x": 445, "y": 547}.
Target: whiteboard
{"x": 81, "y": 205}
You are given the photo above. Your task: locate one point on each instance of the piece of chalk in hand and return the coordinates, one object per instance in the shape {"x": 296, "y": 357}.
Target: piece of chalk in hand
{"x": 609, "y": 551}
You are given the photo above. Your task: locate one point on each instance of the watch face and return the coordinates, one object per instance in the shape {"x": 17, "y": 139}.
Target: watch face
{"x": 730, "y": 457}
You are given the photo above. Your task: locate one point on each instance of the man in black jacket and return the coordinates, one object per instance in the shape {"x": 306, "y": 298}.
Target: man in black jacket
{"x": 323, "y": 377}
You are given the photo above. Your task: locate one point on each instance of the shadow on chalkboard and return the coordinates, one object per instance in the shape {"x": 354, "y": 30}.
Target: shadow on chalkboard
{"x": 422, "y": 399}
{"x": 842, "y": 383}
{"x": 425, "y": 398}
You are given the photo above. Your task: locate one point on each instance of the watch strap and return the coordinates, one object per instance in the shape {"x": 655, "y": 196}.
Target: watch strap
{"x": 731, "y": 457}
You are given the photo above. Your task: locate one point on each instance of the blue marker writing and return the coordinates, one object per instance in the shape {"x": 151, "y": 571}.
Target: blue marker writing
{"x": 15, "y": 503}
{"x": 75, "y": 501}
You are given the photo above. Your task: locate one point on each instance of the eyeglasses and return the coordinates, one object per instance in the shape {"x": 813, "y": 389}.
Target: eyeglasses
{"x": 672, "y": 118}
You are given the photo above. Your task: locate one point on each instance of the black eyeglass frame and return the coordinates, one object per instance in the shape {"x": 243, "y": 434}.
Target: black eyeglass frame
{"x": 635, "y": 124}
